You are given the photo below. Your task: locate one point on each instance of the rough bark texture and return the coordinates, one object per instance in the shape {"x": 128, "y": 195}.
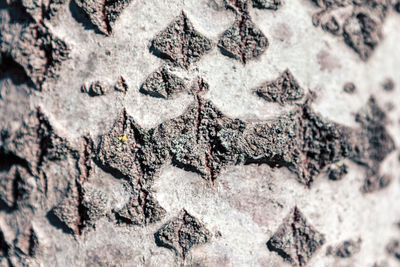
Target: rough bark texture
{"x": 199, "y": 133}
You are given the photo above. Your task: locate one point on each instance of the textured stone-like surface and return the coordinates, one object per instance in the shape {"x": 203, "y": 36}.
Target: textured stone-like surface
{"x": 282, "y": 90}
{"x": 267, "y": 4}
{"x": 205, "y": 141}
{"x": 162, "y": 83}
{"x": 36, "y": 50}
{"x": 182, "y": 233}
{"x": 90, "y": 181}
{"x": 337, "y": 171}
{"x": 243, "y": 41}
{"x": 180, "y": 43}
{"x": 35, "y": 142}
{"x": 67, "y": 212}
{"x": 15, "y": 187}
{"x": 296, "y": 240}
{"x": 346, "y": 249}
{"x": 98, "y": 88}
{"x": 358, "y": 22}
{"x": 45, "y": 9}
{"x": 142, "y": 209}
{"x": 102, "y": 13}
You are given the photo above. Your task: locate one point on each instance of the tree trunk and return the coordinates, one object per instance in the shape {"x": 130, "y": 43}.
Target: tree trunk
{"x": 199, "y": 133}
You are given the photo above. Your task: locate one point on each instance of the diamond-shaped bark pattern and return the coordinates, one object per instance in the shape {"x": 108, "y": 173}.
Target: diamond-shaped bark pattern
{"x": 358, "y": 23}
{"x": 37, "y": 50}
{"x": 182, "y": 233}
{"x": 24, "y": 244}
{"x": 67, "y": 212}
{"x": 205, "y": 141}
{"x": 198, "y": 147}
{"x": 36, "y": 142}
{"x": 296, "y": 240}
{"x": 180, "y": 43}
{"x": 162, "y": 83}
{"x": 321, "y": 143}
{"x": 44, "y": 9}
{"x": 13, "y": 185}
{"x": 141, "y": 210}
{"x": 103, "y": 13}
{"x": 362, "y": 33}
{"x": 31, "y": 149}
{"x": 128, "y": 152}
{"x": 282, "y": 90}
{"x": 118, "y": 149}
{"x": 243, "y": 41}
{"x": 377, "y": 143}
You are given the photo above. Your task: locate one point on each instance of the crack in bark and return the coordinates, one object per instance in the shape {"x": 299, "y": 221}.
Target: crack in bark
{"x": 106, "y": 21}
{"x": 123, "y": 83}
{"x": 244, "y": 16}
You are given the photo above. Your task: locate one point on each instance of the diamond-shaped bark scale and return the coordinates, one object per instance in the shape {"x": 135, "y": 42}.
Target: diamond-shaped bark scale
{"x": 243, "y": 41}
{"x": 103, "y": 13}
{"x": 67, "y": 214}
{"x": 163, "y": 84}
{"x": 362, "y": 33}
{"x": 118, "y": 149}
{"x": 13, "y": 186}
{"x": 358, "y": 23}
{"x": 142, "y": 209}
{"x": 296, "y": 240}
{"x": 182, "y": 233}
{"x": 180, "y": 43}
{"x": 283, "y": 89}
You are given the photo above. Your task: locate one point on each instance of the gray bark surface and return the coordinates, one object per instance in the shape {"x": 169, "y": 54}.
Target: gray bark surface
{"x": 199, "y": 133}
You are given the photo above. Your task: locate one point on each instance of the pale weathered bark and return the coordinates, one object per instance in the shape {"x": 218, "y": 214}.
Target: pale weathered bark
{"x": 199, "y": 133}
